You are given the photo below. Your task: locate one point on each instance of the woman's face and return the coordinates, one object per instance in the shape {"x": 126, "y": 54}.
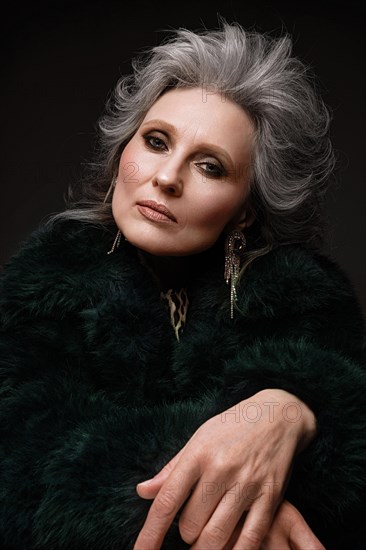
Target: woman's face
{"x": 183, "y": 177}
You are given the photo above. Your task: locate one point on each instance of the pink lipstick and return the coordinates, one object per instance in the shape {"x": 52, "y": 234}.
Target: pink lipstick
{"x": 155, "y": 211}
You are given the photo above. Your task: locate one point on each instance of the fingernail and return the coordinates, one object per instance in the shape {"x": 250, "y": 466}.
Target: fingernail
{"x": 147, "y": 482}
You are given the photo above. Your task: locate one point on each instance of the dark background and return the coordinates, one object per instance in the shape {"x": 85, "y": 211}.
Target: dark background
{"x": 60, "y": 61}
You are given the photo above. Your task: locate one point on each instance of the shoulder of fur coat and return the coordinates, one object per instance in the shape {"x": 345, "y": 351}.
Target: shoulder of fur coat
{"x": 65, "y": 268}
{"x": 72, "y": 256}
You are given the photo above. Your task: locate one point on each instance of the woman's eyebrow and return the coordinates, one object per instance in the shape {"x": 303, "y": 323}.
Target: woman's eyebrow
{"x": 172, "y": 129}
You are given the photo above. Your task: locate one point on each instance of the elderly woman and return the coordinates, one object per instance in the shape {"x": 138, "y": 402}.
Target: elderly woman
{"x": 177, "y": 320}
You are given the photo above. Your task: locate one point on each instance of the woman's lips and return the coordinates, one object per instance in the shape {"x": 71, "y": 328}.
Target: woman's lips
{"x": 155, "y": 211}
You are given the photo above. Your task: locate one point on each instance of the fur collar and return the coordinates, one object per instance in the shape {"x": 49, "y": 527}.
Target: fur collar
{"x": 57, "y": 270}
{"x": 112, "y": 305}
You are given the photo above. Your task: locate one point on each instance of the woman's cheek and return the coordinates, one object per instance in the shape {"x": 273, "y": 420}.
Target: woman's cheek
{"x": 130, "y": 163}
{"x": 215, "y": 211}
{"x": 130, "y": 173}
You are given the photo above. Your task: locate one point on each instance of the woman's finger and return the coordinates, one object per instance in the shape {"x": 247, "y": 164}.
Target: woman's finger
{"x": 289, "y": 531}
{"x": 301, "y": 536}
{"x": 235, "y": 535}
{"x": 200, "y": 506}
{"x": 219, "y": 527}
{"x": 166, "y": 505}
{"x": 256, "y": 526}
{"x": 305, "y": 539}
{"x": 149, "y": 488}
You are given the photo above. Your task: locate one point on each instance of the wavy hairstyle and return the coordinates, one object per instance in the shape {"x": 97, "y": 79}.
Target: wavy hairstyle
{"x": 293, "y": 156}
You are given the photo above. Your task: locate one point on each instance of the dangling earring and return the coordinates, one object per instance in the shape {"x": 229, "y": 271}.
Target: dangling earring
{"x": 116, "y": 242}
{"x": 234, "y": 247}
{"x": 112, "y": 186}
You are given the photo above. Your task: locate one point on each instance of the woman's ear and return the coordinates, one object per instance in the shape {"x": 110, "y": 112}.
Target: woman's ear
{"x": 244, "y": 219}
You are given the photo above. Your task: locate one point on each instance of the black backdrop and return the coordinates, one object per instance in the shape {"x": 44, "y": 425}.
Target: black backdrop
{"x": 60, "y": 60}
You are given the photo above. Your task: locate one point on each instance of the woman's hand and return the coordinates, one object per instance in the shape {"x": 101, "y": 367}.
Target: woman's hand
{"x": 236, "y": 463}
{"x": 289, "y": 531}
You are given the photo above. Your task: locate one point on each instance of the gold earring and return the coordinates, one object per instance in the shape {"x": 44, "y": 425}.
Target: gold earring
{"x": 234, "y": 247}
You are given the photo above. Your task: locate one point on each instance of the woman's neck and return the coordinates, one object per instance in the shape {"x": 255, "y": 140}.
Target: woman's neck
{"x": 170, "y": 271}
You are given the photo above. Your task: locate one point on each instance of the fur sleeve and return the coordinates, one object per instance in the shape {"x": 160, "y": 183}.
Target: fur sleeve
{"x": 328, "y": 481}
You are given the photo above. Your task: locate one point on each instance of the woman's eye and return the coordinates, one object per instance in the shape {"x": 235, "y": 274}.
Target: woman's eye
{"x": 154, "y": 142}
{"x": 213, "y": 170}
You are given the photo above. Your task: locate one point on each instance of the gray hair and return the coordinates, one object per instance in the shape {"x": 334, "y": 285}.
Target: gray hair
{"x": 293, "y": 157}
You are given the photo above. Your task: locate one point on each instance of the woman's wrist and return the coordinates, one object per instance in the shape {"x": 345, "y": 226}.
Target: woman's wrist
{"x": 277, "y": 405}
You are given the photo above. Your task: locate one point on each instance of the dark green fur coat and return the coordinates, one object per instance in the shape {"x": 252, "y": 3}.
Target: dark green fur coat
{"x": 97, "y": 394}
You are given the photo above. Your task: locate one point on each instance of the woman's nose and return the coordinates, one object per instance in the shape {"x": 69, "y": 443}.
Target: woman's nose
{"x": 169, "y": 179}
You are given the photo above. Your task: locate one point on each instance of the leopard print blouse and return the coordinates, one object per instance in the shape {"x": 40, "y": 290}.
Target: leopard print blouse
{"x": 177, "y": 301}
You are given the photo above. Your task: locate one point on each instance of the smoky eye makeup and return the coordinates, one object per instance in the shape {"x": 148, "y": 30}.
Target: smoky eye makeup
{"x": 154, "y": 142}
{"x": 212, "y": 169}
{"x": 156, "y": 138}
